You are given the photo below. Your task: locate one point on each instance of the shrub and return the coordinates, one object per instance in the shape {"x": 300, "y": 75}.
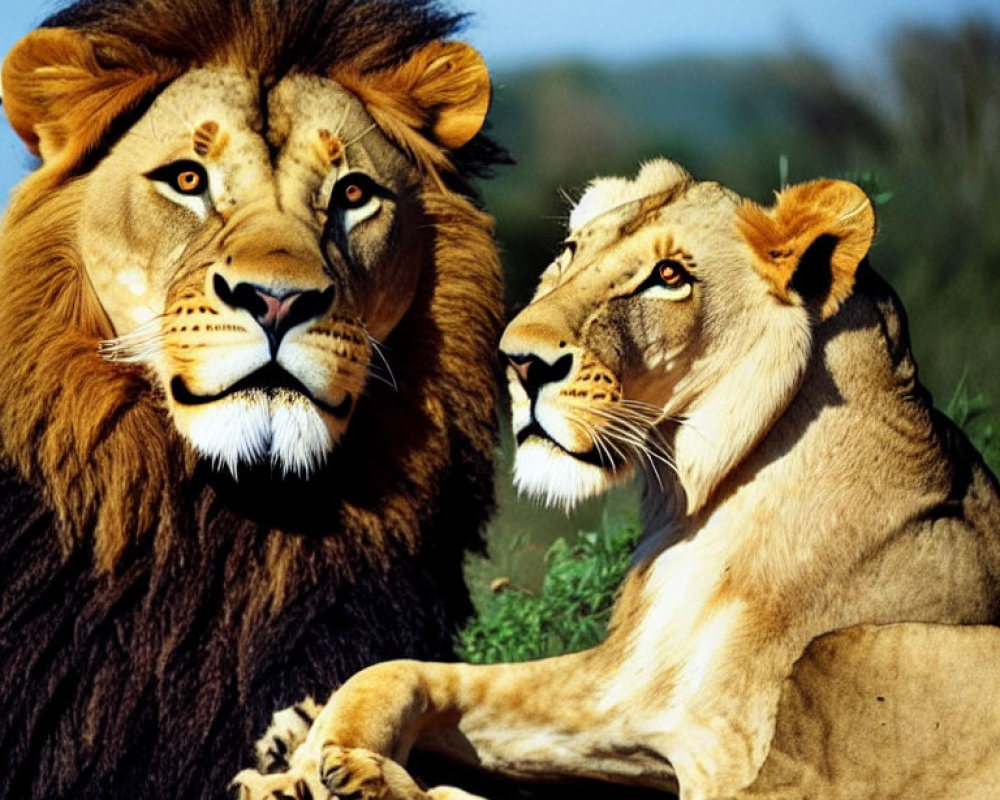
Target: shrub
{"x": 571, "y": 610}
{"x": 974, "y": 414}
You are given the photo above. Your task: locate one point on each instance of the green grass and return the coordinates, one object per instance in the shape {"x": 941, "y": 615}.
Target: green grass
{"x": 569, "y": 612}
{"x": 974, "y": 414}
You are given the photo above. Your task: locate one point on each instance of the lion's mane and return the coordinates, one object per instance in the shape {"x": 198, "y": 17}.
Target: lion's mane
{"x": 152, "y": 614}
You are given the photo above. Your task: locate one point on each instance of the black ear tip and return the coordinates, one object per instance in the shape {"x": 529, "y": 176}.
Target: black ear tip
{"x": 813, "y": 277}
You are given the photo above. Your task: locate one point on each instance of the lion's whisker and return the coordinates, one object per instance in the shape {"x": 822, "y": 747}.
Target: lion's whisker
{"x": 137, "y": 345}
{"x": 389, "y": 379}
{"x": 360, "y": 136}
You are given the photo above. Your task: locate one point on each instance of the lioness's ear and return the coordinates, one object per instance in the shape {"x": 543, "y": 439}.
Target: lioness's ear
{"x": 62, "y": 90}
{"x": 811, "y": 241}
{"x": 441, "y": 91}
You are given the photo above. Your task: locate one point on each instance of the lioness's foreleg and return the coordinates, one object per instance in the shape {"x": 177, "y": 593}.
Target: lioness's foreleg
{"x": 535, "y": 720}
{"x": 353, "y": 773}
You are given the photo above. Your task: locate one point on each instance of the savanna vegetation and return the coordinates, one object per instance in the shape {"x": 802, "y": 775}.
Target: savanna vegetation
{"x": 921, "y": 135}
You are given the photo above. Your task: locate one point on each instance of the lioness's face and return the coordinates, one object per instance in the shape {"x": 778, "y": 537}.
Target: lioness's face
{"x": 652, "y": 294}
{"x": 251, "y": 245}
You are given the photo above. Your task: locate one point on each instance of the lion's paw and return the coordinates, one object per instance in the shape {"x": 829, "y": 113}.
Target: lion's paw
{"x": 253, "y": 785}
{"x": 288, "y": 729}
{"x": 365, "y": 775}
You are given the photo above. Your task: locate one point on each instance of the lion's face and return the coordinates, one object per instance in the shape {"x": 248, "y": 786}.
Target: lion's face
{"x": 252, "y": 238}
{"x": 253, "y": 246}
{"x": 671, "y": 300}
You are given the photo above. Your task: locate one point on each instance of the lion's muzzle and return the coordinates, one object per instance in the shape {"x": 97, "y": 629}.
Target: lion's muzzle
{"x": 275, "y": 311}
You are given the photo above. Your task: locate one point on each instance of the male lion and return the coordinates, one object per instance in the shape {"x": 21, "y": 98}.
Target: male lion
{"x": 268, "y": 474}
{"x": 797, "y": 482}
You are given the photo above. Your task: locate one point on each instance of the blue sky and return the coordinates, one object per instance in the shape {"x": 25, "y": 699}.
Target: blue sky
{"x": 512, "y": 33}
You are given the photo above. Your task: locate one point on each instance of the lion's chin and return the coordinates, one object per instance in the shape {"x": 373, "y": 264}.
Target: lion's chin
{"x": 252, "y": 429}
{"x": 545, "y": 472}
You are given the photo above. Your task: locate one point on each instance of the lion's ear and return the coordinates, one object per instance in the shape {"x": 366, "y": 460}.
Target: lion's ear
{"x": 450, "y": 80}
{"x": 63, "y": 90}
{"x": 811, "y": 241}
{"x": 441, "y": 91}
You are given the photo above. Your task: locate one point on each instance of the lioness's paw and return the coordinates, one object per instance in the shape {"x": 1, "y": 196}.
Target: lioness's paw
{"x": 288, "y": 729}
{"x": 352, "y": 772}
{"x": 364, "y": 775}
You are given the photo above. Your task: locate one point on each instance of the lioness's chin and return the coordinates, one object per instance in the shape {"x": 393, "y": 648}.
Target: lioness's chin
{"x": 544, "y": 471}
{"x": 251, "y": 429}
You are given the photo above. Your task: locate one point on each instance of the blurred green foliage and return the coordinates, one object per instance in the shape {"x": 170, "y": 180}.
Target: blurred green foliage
{"x": 978, "y": 418}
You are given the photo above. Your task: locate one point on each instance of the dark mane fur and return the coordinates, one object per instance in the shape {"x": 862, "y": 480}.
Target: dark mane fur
{"x": 275, "y": 37}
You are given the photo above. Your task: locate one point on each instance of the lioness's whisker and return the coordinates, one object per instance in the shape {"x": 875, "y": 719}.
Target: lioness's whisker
{"x": 604, "y": 454}
{"x": 646, "y": 443}
{"x": 610, "y": 446}
{"x": 649, "y": 439}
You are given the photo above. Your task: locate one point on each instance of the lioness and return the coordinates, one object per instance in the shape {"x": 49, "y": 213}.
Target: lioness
{"x": 752, "y": 365}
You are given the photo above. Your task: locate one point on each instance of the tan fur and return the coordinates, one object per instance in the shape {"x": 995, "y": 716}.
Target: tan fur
{"x": 801, "y": 497}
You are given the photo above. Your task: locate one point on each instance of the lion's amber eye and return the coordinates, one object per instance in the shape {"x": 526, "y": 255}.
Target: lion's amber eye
{"x": 185, "y": 177}
{"x": 354, "y": 190}
{"x": 354, "y": 193}
{"x": 188, "y": 181}
{"x": 671, "y": 273}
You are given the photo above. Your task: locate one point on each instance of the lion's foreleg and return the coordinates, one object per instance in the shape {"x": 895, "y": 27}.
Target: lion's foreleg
{"x": 288, "y": 729}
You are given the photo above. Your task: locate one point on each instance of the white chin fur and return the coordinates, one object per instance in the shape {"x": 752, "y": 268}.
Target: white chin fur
{"x": 544, "y": 472}
{"x": 245, "y": 430}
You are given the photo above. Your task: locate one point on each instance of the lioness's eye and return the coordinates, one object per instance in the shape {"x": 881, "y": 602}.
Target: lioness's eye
{"x": 669, "y": 280}
{"x": 185, "y": 177}
{"x": 671, "y": 273}
{"x": 189, "y": 182}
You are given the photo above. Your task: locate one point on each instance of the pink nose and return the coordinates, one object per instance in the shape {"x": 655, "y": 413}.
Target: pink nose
{"x": 275, "y": 314}
{"x": 277, "y": 308}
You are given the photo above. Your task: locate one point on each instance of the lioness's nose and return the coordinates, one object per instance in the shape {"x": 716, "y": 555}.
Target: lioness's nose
{"x": 275, "y": 313}
{"x": 533, "y": 372}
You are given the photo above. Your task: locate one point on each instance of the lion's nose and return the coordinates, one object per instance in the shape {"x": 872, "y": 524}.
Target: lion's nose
{"x": 275, "y": 313}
